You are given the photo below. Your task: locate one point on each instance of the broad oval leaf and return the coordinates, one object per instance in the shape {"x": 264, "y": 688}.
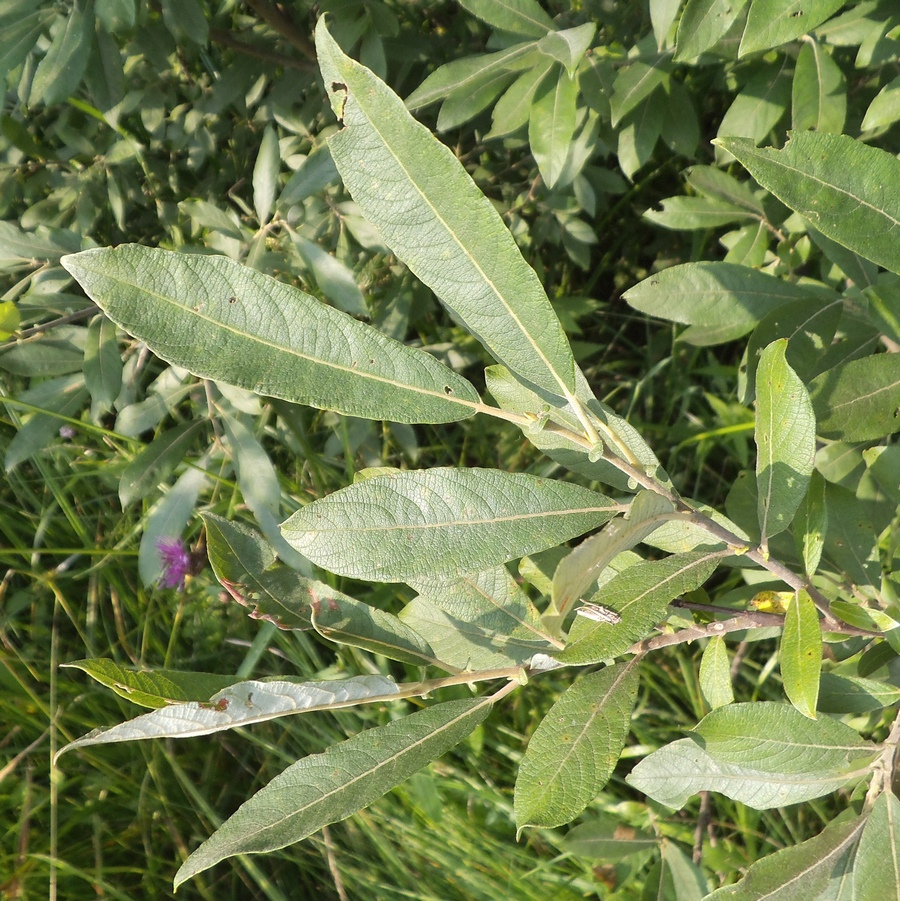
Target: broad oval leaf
{"x": 848, "y": 190}
{"x": 240, "y": 705}
{"x": 328, "y": 787}
{"x": 227, "y": 322}
{"x": 801, "y": 654}
{"x": 434, "y": 218}
{"x": 575, "y": 748}
{"x": 819, "y": 89}
{"x": 723, "y": 299}
{"x": 441, "y": 521}
{"x": 785, "y": 440}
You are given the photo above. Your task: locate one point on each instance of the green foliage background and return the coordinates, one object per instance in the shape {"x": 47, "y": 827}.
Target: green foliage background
{"x": 201, "y": 126}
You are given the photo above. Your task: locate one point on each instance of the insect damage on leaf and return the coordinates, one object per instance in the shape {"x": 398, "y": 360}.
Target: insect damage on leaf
{"x": 338, "y": 87}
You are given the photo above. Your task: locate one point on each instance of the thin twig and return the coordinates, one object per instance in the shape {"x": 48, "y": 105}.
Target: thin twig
{"x": 278, "y": 20}
{"x": 227, "y": 39}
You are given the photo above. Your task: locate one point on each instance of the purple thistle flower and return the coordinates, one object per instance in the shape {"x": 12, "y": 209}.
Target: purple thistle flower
{"x": 176, "y": 561}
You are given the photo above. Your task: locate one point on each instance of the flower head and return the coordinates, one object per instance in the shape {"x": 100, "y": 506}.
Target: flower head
{"x": 176, "y": 561}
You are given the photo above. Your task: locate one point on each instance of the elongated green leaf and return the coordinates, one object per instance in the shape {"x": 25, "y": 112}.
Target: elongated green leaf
{"x": 858, "y": 400}
{"x": 778, "y": 738}
{"x": 516, "y": 16}
{"x": 490, "y": 599}
{"x": 466, "y": 645}
{"x": 759, "y": 106}
{"x": 674, "y": 773}
{"x": 848, "y": 190}
{"x": 634, "y": 83}
{"x": 513, "y": 109}
{"x": 153, "y": 688}
{"x": 817, "y": 868}
{"x": 884, "y": 110}
{"x": 715, "y": 674}
{"x": 241, "y": 704}
{"x": 245, "y": 565}
{"x": 876, "y": 871}
{"x": 20, "y": 32}
{"x": 725, "y": 300}
{"x": 785, "y": 440}
{"x": 801, "y": 654}
{"x": 60, "y": 71}
{"x": 602, "y": 837}
{"x": 702, "y": 23}
{"x": 552, "y": 125}
{"x": 577, "y": 572}
{"x": 568, "y": 46}
{"x": 432, "y": 215}
{"x": 575, "y": 748}
{"x": 696, "y": 212}
{"x": 325, "y": 788}
{"x": 441, "y": 521}
{"x": 819, "y": 90}
{"x": 852, "y": 694}
{"x": 63, "y": 396}
{"x": 265, "y": 174}
{"x": 464, "y": 75}
{"x": 102, "y": 363}
{"x": 714, "y": 183}
{"x": 461, "y": 106}
{"x": 224, "y": 321}
{"x": 640, "y": 595}
{"x": 343, "y": 619}
{"x": 811, "y": 524}
{"x": 771, "y": 23}
{"x": 850, "y": 539}
{"x": 809, "y": 325}
{"x": 157, "y": 461}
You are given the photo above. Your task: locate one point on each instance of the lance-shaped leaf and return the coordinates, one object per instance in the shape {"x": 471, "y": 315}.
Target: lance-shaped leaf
{"x": 715, "y": 674}
{"x": 240, "y": 705}
{"x": 227, "y": 322}
{"x": 441, "y": 521}
{"x": 858, "y": 400}
{"x": 785, "y": 440}
{"x": 490, "y": 599}
{"x": 774, "y": 22}
{"x": 720, "y": 301}
{"x": 155, "y": 688}
{"x": 801, "y": 654}
{"x": 432, "y": 215}
{"x": 244, "y": 562}
{"x": 751, "y": 763}
{"x": 702, "y": 23}
{"x": 778, "y": 738}
{"x": 640, "y": 596}
{"x": 876, "y": 871}
{"x": 552, "y": 124}
{"x": 848, "y": 190}
{"x": 577, "y": 572}
{"x": 514, "y": 16}
{"x": 468, "y": 646}
{"x": 575, "y": 748}
{"x": 817, "y": 868}
{"x": 325, "y": 788}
